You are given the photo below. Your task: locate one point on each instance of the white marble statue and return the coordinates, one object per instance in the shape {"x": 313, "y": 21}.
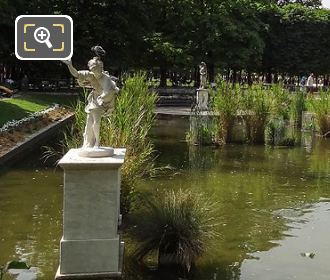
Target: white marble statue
{"x": 101, "y": 100}
{"x": 202, "y": 97}
{"x": 203, "y": 75}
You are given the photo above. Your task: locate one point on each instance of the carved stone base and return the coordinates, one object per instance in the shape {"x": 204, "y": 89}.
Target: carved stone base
{"x": 96, "y": 152}
{"x": 202, "y": 99}
{"x": 95, "y": 275}
{"x": 91, "y": 247}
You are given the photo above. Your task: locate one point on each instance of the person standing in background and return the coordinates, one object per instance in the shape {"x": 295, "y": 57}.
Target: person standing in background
{"x": 310, "y": 83}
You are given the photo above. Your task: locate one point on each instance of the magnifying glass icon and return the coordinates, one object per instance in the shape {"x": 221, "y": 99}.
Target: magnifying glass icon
{"x": 41, "y": 35}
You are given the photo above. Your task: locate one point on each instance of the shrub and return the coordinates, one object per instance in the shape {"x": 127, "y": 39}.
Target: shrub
{"x": 176, "y": 225}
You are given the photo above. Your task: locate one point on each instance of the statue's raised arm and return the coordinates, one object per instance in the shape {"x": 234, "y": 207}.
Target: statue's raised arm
{"x": 72, "y": 70}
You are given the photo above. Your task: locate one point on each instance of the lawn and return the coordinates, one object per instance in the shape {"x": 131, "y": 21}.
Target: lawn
{"x": 18, "y": 108}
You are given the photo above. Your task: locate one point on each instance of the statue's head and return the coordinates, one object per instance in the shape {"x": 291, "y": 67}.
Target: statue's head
{"x": 95, "y": 65}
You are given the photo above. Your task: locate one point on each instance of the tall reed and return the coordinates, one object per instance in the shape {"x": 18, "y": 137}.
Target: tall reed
{"x": 256, "y": 107}
{"x": 226, "y": 103}
{"x": 298, "y": 105}
{"x": 280, "y": 101}
{"x": 321, "y": 107}
{"x": 128, "y": 127}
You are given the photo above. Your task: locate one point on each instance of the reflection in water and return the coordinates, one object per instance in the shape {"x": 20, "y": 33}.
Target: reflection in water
{"x": 287, "y": 261}
{"x": 30, "y": 217}
{"x": 262, "y": 191}
{"x": 273, "y": 204}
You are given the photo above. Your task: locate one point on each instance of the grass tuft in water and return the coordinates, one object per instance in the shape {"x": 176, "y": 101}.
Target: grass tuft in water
{"x": 177, "y": 226}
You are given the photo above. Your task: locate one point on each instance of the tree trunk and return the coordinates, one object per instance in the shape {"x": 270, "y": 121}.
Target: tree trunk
{"x": 234, "y": 77}
{"x": 269, "y": 77}
{"x": 197, "y": 77}
{"x": 240, "y": 77}
{"x": 326, "y": 80}
{"x": 211, "y": 73}
{"x": 162, "y": 77}
{"x": 249, "y": 79}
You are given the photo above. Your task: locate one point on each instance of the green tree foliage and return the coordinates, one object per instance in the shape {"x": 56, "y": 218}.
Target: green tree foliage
{"x": 291, "y": 36}
{"x": 307, "y": 3}
{"x": 297, "y": 40}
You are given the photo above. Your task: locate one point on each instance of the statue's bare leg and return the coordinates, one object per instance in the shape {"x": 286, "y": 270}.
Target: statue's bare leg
{"x": 88, "y": 141}
{"x": 96, "y": 128}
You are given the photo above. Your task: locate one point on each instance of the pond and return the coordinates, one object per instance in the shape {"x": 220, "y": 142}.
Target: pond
{"x": 274, "y": 208}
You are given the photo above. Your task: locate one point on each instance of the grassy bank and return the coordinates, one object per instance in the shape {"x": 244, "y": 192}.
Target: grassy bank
{"x": 18, "y": 108}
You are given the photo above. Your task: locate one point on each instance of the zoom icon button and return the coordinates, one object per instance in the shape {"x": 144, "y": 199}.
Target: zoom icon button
{"x": 39, "y": 36}
{"x": 43, "y": 37}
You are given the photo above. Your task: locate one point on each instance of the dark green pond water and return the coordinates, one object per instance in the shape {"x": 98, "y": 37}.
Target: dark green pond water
{"x": 274, "y": 206}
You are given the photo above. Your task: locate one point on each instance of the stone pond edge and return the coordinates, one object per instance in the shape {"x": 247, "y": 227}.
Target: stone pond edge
{"x": 33, "y": 140}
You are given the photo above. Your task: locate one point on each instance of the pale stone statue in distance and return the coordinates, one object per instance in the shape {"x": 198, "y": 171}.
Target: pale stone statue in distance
{"x": 202, "y": 92}
{"x": 203, "y": 75}
{"x": 101, "y": 100}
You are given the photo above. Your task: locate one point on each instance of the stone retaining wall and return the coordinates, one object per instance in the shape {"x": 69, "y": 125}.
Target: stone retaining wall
{"x": 34, "y": 140}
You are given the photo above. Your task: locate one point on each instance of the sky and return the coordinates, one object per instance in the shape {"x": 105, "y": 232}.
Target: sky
{"x": 326, "y": 3}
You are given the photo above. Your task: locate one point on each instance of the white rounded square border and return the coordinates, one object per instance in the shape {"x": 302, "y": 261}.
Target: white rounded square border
{"x": 24, "y": 16}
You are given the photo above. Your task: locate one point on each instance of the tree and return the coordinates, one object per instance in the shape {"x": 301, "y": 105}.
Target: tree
{"x": 297, "y": 40}
{"x": 307, "y": 3}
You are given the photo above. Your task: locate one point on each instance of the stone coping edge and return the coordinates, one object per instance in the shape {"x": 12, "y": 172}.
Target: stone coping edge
{"x": 71, "y": 160}
{"x": 33, "y": 140}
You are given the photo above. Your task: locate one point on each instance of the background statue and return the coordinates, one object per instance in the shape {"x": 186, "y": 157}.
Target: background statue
{"x": 101, "y": 100}
{"x": 203, "y": 75}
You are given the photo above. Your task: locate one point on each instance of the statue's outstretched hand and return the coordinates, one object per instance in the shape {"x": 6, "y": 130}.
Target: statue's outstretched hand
{"x": 67, "y": 62}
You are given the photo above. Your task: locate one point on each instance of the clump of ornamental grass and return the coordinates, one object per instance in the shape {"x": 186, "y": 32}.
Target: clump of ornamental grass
{"x": 177, "y": 226}
{"x": 320, "y": 106}
{"x": 226, "y": 103}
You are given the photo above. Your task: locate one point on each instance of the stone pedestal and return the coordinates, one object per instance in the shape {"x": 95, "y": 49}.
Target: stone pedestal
{"x": 91, "y": 246}
{"x": 202, "y": 99}
{"x": 201, "y": 129}
{"x": 308, "y": 121}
